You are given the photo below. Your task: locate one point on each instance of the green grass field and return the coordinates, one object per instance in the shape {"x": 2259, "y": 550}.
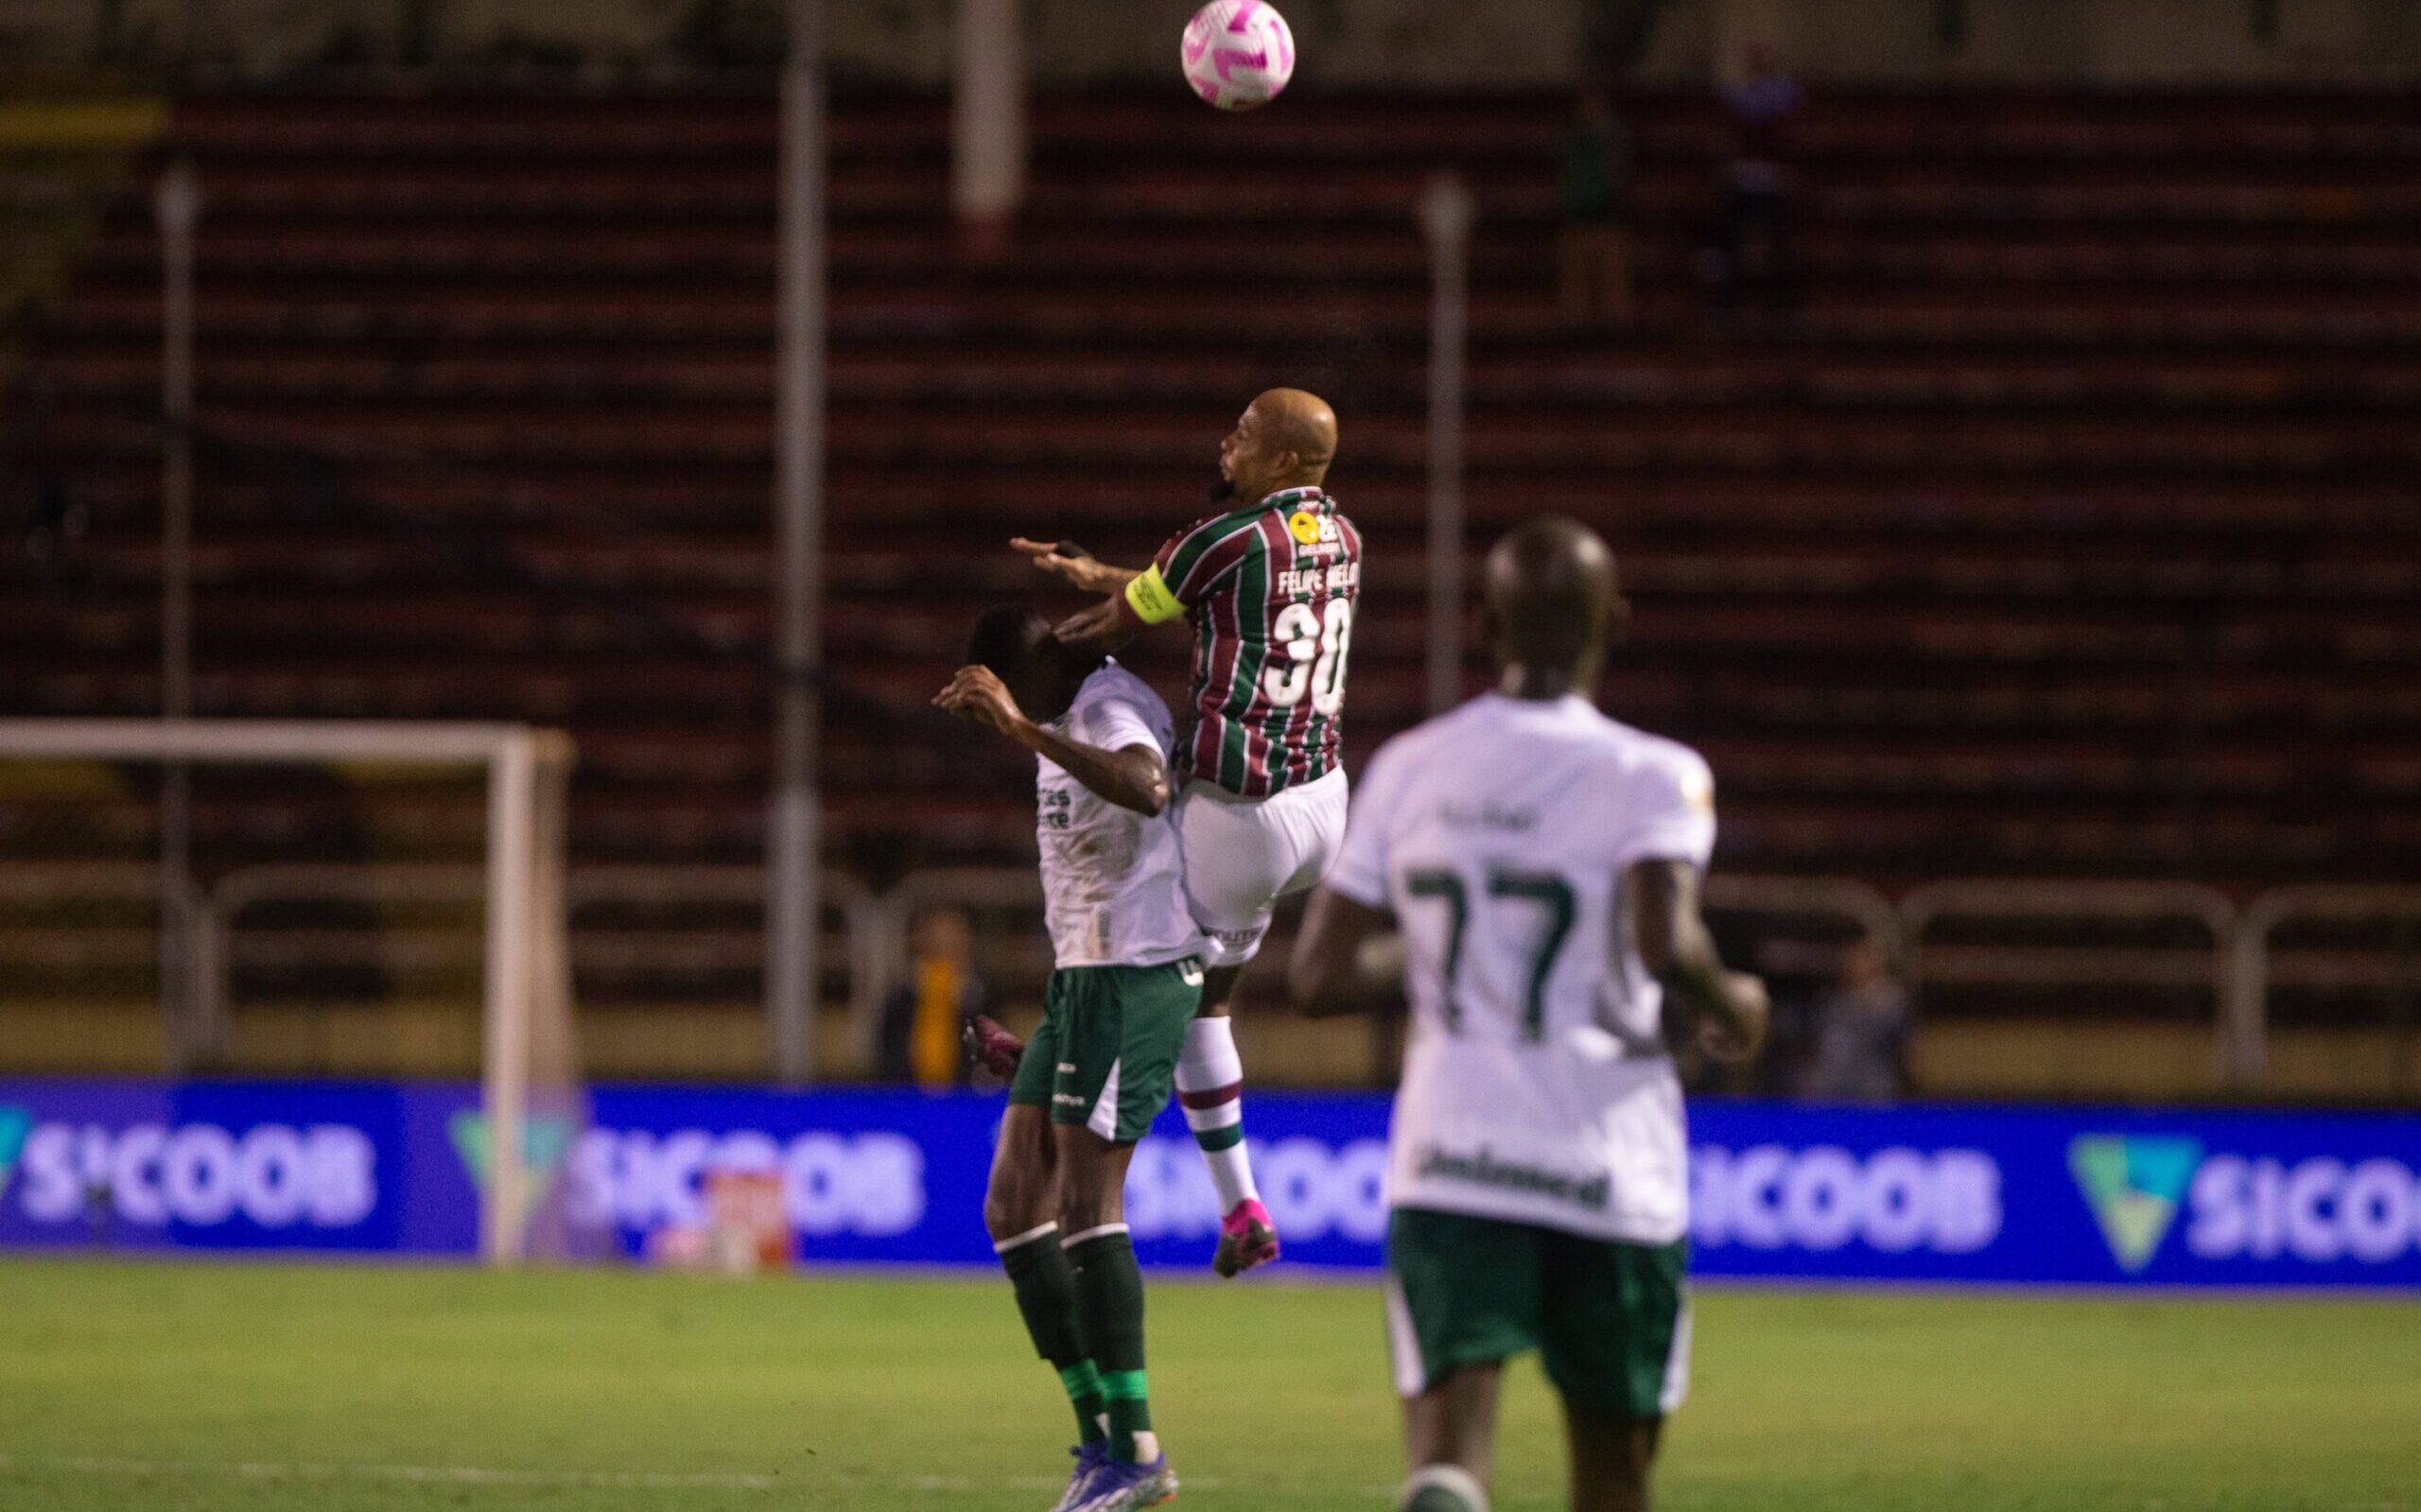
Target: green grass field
{"x": 266, "y": 1388}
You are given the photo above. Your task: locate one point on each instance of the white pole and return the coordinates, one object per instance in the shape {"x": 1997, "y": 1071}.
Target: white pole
{"x": 793, "y": 920}
{"x": 512, "y": 777}
{"x": 1447, "y": 212}
{"x": 988, "y": 124}
{"x": 177, "y": 205}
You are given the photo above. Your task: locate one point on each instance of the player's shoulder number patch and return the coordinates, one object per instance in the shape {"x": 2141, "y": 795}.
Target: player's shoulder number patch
{"x": 1697, "y": 791}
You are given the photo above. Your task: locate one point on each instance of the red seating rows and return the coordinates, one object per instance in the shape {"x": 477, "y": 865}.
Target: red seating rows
{"x": 2069, "y": 530}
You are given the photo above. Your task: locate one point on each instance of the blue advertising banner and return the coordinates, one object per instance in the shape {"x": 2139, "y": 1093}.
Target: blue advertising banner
{"x": 148, "y": 1165}
{"x": 869, "y": 1177}
{"x": 2067, "y": 1196}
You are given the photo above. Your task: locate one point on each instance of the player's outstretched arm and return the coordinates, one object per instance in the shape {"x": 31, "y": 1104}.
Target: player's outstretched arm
{"x": 1348, "y": 957}
{"x": 1729, "y": 1008}
{"x": 1074, "y": 565}
{"x": 1136, "y": 778}
{"x": 1106, "y": 626}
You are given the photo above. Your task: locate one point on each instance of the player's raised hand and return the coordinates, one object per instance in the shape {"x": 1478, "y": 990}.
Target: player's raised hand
{"x": 975, "y": 693}
{"x": 1098, "y": 626}
{"x": 1740, "y": 1038}
{"x": 1072, "y": 564}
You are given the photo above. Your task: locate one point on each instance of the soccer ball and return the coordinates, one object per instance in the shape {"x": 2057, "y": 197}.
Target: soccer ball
{"x": 1238, "y": 54}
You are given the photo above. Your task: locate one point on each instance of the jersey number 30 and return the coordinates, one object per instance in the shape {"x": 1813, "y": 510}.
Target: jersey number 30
{"x": 1314, "y": 656}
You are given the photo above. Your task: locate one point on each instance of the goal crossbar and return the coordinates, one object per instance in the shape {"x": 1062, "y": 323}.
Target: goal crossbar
{"x": 524, "y": 874}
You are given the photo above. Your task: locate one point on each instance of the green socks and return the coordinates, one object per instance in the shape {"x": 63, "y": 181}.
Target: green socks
{"x": 1085, "y": 1393}
{"x": 1109, "y": 1321}
{"x": 1442, "y": 1489}
{"x": 1046, "y": 1295}
{"x": 1083, "y": 1306}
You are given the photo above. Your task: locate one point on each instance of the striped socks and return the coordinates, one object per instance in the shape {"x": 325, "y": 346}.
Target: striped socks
{"x": 1211, "y": 1086}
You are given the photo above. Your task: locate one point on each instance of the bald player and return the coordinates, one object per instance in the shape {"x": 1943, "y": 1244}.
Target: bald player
{"x": 1542, "y": 863}
{"x": 1269, "y": 588}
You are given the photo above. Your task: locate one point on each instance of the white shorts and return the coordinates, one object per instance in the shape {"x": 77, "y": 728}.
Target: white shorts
{"x": 1242, "y": 854}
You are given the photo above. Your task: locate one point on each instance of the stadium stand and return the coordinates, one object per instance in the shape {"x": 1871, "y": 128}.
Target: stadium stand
{"x": 2068, "y": 532}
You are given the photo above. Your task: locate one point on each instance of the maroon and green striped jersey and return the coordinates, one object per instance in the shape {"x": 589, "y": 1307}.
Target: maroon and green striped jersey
{"x": 1270, "y": 591}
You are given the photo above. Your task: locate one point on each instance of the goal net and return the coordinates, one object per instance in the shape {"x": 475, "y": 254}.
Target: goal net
{"x": 399, "y": 885}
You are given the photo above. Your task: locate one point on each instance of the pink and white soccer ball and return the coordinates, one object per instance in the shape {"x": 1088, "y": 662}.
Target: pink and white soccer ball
{"x": 1238, "y": 54}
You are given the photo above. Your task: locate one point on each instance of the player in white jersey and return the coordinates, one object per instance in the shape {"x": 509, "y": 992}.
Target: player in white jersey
{"x": 1127, "y": 980}
{"x": 1541, "y": 865}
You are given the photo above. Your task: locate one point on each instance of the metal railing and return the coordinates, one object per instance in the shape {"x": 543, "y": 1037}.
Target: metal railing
{"x": 2041, "y": 965}
{"x": 1833, "y": 900}
{"x": 2254, "y": 967}
{"x": 2242, "y": 964}
{"x": 222, "y": 909}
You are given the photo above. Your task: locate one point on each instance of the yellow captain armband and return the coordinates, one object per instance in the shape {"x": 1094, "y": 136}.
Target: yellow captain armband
{"x": 1149, "y": 597}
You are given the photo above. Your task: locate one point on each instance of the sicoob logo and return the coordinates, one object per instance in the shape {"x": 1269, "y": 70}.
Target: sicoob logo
{"x": 543, "y": 1144}
{"x": 15, "y": 1123}
{"x": 2134, "y": 1184}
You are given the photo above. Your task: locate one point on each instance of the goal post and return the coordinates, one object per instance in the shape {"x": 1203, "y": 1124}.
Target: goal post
{"x": 529, "y": 1050}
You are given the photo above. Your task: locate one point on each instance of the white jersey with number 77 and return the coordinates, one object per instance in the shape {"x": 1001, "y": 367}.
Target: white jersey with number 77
{"x": 1537, "y": 1088}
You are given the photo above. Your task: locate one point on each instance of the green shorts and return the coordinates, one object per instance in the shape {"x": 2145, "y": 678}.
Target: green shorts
{"x": 1106, "y": 1054}
{"x": 1612, "y": 1321}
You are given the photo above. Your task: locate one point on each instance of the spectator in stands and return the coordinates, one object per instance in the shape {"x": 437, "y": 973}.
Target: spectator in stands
{"x": 1594, "y": 282}
{"x": 921, "y": 1018}
{"x": 58, "y": 521}
{"x": 1861, "y": 1031}
{"x": 1755, "y": 263}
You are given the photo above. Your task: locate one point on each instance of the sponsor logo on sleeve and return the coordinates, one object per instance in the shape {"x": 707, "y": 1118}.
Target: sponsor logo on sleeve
{"x": 1697, "y": 791}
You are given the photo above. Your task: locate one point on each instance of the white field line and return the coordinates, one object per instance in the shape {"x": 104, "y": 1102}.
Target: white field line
{"x": 438, "y": 1474}
{"x": 476, "y": 1475}
{"x": 634, "y": 1480}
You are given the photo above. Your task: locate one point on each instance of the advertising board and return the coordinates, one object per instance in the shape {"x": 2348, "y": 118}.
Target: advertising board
{"x": 1779, "y": 1191}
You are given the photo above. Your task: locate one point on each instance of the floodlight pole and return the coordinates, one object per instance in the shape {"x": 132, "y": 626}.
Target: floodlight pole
{"x": 1446, "y": 211}
{"x": 793, "y": 921}
{"x": 177, "y": 206}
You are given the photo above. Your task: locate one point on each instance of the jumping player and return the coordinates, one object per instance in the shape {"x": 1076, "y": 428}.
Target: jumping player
{"x": 1270, "y": 588}
{"x": 1543, "y": 862}
{"x": 1127, "y": 979}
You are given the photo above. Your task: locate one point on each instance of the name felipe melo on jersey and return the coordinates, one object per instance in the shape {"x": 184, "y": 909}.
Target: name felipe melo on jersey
{"x": 1297, "y": 582}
